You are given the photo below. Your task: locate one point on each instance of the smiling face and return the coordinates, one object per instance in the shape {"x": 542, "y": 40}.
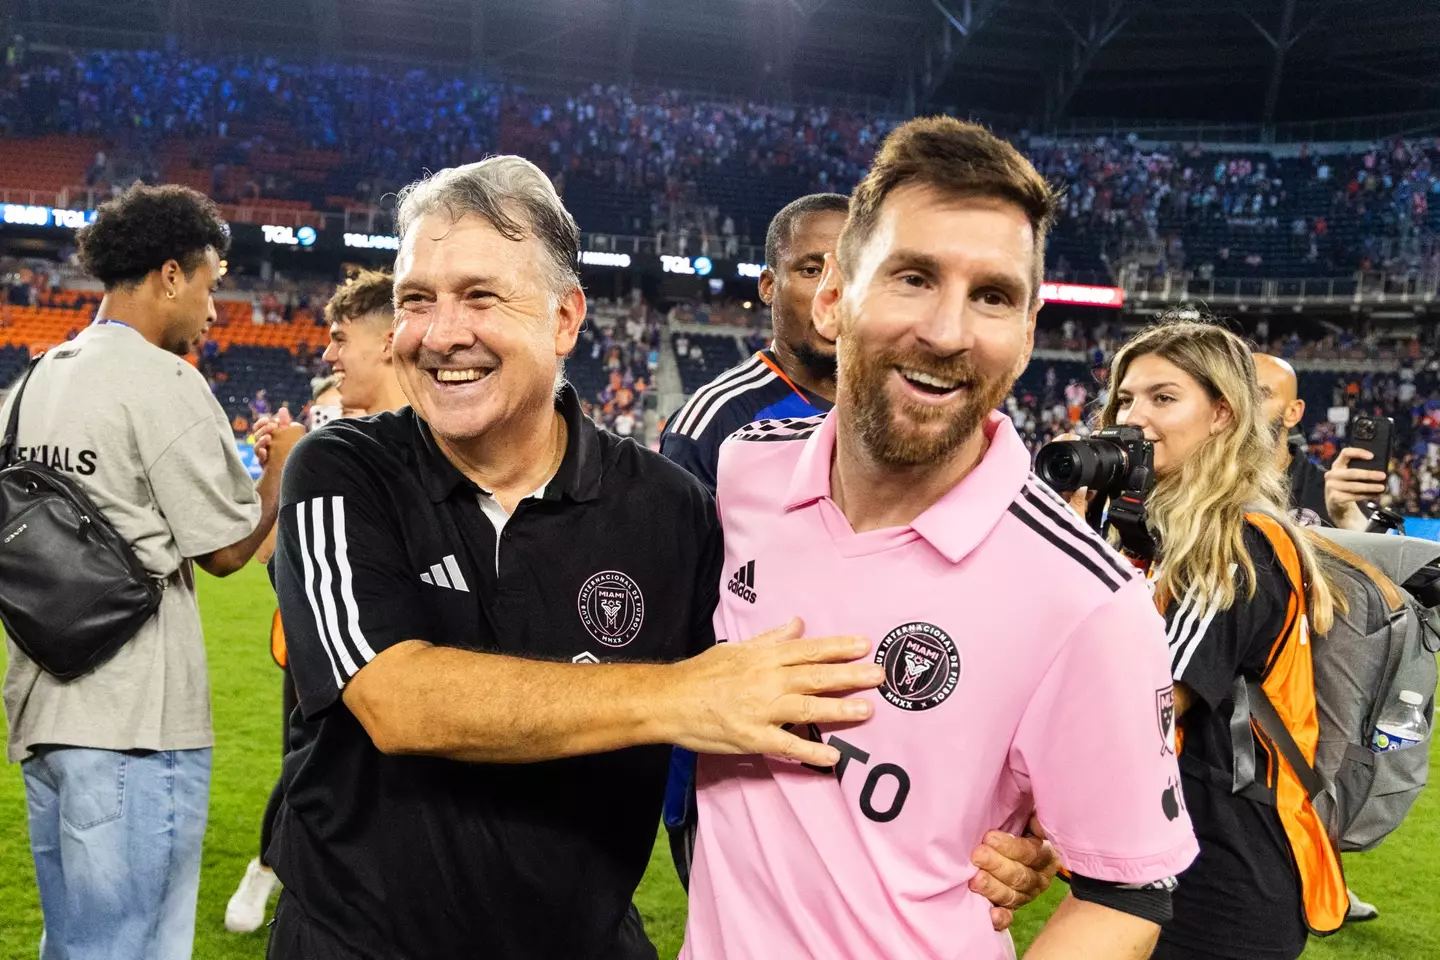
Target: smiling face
{"x": 478, "y": 332}
{"x": 1174, "y": 409}
{"x": 359, "y": 353}
{"x": 935, "y": 324}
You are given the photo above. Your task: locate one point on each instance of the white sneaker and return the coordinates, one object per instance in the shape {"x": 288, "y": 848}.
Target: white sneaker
{"x": 1360, "y": 911}
{"x": 246, "y": 910}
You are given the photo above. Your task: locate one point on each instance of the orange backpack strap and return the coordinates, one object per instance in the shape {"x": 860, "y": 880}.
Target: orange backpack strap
{"x": 1289, "y": 559}
{"x": 1286, "y": 694}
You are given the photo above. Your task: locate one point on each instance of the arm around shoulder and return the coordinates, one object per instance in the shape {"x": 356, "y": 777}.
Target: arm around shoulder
{"x": 416, "y": 698}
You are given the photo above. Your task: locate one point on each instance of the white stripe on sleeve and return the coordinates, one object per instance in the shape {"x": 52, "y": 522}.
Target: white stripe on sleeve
{"x": 308, "y": 570}
{"x": 327, "y": 594}
{"x": 1178, "y": 623}
{"x": 347, "y": 584}
{"x": 1196, "y": 639}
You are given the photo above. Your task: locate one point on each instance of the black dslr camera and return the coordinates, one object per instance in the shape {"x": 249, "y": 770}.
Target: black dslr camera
{"x": 1116, "y": 464}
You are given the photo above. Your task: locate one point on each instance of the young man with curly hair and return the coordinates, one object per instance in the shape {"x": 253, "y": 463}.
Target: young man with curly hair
{"x": 117, "y": 762}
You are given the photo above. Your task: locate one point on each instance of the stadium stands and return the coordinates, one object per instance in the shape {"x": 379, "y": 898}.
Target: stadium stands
{"x": 702, "y": 177}
{"x": 243, "y": 370}
{"x": 703, "y": 356}
{"x": 697, "y": 175}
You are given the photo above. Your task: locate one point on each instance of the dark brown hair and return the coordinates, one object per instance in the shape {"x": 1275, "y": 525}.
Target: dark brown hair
{"x": 365, "y": 293}
{"x": 958, "y": 159}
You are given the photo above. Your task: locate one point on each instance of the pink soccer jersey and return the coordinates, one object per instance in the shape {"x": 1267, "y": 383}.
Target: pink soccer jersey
{"x": 1026, "y": 670}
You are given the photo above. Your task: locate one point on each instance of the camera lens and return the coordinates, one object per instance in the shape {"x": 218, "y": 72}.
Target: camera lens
{"x": 1061, "y": 468}
{"x": 1095, "y": 464}
{"x": 1364, "y": 430}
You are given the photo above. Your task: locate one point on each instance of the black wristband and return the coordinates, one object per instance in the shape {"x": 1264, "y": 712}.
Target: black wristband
{"x": 1150, "y": 901}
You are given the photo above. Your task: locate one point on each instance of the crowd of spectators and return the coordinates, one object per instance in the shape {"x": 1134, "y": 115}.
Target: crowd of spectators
{"x": 1338, "y": 213}
{"x": 1130, "y": 195}
{"x": 614, "y": 364}
{"x": 387, "y": 126}
{"x": 390, "y": 123}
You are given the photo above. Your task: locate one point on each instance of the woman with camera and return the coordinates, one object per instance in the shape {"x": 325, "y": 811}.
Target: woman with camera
{"x": 1240, "y": 589}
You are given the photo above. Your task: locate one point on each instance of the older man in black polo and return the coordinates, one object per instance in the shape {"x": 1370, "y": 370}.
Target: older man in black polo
{"x": 498, "y": 615}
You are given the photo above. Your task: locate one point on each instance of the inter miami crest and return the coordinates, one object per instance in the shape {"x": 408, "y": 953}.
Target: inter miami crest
{"x": 922, "y": 666}
{"x": 612, "y": 608}
{"x": 1165, "y": 716}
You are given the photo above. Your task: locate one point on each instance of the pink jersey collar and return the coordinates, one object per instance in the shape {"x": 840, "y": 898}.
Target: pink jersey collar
{"x": 962, "y": 518}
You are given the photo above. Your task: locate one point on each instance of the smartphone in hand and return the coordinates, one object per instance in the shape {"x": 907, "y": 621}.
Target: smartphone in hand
{"x": 1373, "y": 435}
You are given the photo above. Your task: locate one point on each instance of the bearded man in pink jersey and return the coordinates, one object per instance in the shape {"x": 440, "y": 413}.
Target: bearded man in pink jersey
{"x": 1026, "y": 667}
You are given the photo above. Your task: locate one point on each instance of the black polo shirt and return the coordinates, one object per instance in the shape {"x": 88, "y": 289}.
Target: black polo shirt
{"x": 1307, "y": 488}
{"x": 382, "y": 540}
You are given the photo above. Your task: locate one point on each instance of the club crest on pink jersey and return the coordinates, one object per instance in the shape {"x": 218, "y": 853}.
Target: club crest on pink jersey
{"x": 922, "y": 666}
{"x": 1165, "y": 717}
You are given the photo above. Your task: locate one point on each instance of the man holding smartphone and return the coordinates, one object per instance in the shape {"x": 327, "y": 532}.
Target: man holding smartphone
{"x": 1318, "y": 497}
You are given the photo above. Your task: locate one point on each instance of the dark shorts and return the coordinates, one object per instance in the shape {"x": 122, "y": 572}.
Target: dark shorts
{"x": 294, "y": 936}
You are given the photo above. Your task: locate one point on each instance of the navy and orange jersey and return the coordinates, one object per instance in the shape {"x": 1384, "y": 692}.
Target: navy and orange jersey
{"x": 756, "y": 389}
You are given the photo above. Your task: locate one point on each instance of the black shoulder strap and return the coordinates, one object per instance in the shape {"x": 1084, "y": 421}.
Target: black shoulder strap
{"x": 12, "y": 429}
{"x": 1269, "y": 720}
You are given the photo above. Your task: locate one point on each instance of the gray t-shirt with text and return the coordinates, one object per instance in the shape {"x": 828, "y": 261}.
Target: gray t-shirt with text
{"x": 138, "y": 429}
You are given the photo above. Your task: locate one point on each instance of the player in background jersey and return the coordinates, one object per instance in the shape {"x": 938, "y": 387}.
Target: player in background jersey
{"x": 910, "y": 514}
{"x": 361, "y": 315}
{"x": 795, "y": 377}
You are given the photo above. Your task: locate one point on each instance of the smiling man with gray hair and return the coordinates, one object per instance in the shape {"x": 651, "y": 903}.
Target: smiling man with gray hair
{"x": 498, "y": 615}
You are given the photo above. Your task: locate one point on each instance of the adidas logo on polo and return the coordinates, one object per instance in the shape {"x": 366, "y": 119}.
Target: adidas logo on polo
{"x": 742, "y": 583}
{"x": 446, "y": 574}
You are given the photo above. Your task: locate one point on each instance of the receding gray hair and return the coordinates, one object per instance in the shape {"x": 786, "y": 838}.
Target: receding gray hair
{"x": 514, "y": 196}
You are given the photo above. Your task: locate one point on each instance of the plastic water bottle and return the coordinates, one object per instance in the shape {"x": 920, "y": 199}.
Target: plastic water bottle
{"x": 1401, "y": 725}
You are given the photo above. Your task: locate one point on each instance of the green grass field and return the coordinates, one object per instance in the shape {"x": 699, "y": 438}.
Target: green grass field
{"x": 1403, "y": 877}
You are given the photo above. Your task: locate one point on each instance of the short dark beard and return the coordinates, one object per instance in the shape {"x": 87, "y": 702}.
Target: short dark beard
{"x": 1279, "y": 431}
{"x": 862, "y": 390}
{"x": 820, "y": 366}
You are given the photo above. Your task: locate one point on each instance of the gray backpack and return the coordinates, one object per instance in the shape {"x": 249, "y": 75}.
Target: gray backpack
{"x": 1386, "y": 642}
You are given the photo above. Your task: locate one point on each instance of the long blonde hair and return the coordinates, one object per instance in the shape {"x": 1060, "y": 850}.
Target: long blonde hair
{"x": 1199, "y": 508}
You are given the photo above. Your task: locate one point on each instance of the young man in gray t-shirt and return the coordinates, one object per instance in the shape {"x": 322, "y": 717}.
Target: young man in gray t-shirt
{"x": 117, "y": 762}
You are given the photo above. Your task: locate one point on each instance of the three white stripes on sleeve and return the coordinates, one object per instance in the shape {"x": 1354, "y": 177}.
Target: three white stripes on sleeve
{"x": 1188, "y": 628}
{"x": 331, "y": 589}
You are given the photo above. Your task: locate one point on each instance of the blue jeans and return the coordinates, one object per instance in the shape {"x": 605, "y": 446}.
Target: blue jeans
{"x": 116, "y": 839}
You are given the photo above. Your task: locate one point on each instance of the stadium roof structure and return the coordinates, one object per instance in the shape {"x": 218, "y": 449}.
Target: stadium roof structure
{"x": 1043, "y": 63}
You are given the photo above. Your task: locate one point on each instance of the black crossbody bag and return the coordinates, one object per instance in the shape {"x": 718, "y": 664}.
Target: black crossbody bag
{"x": 72, "y": 591}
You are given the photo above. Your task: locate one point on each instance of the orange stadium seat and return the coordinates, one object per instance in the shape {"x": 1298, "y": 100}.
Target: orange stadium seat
{"x": 50, "y": 163}
{"x": 40, "y": 328}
